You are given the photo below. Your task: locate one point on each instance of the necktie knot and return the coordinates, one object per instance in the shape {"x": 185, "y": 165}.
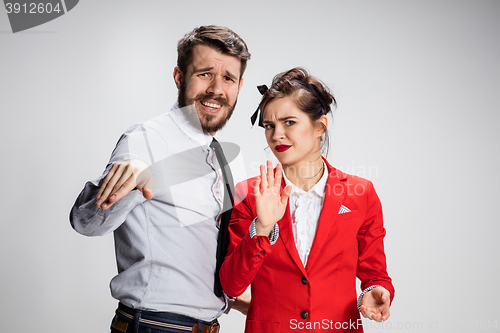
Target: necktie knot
{"x": 215, "y": 144}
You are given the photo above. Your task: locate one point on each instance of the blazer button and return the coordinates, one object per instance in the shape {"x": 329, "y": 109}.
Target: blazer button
{"x": 304, "y": 280}
{"x": 304, "y": 314}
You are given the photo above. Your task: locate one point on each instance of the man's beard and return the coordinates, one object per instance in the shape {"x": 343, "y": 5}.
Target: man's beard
{"x": 207, "y": 121}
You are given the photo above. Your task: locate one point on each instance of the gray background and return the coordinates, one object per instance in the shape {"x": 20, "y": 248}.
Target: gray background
{"x": 417, "y": 84}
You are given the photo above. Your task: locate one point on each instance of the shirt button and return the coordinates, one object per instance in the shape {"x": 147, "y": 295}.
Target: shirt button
{"x": 304, "y": 314}
{"x": 304, "y": 280}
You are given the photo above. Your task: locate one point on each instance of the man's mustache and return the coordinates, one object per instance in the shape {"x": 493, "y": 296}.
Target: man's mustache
{"x": 204, "y": 97}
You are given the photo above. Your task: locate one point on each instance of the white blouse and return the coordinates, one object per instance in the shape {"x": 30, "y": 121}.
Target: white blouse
{"x": 305, "y": 209}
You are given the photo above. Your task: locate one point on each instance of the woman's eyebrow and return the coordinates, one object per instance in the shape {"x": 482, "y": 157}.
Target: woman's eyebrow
{"x": 280, "y": 119}
{"x": 287, "y": 118}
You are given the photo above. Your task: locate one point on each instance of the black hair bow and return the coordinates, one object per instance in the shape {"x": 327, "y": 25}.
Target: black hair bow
{"x": 262, "y": 89}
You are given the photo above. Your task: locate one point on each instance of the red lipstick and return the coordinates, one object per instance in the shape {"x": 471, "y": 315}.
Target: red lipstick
{"x": 282, "y": 148}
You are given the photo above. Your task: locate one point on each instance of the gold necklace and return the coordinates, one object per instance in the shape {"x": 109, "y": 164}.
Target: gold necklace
{"x": 317, "y": 173}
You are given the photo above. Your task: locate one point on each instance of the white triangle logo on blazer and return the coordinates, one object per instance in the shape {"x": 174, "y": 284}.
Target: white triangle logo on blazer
{"x": 343, "y": 209}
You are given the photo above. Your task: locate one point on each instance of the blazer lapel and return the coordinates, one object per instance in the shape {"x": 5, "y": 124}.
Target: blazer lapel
{"x": 334, "y": 196}
{"x": 286, "y": 236}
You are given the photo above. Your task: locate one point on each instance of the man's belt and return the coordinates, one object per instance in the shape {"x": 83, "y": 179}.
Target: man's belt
{"x": 124, "y": 318}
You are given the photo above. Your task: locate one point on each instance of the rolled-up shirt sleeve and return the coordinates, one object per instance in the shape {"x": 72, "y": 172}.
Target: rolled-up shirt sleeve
{"x": 89, "y": 220}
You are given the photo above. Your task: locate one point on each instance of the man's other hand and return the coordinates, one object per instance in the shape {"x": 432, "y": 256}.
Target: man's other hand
{"x": 122, "y": 178}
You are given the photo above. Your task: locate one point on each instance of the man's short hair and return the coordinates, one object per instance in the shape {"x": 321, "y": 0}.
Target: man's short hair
{"x": 221, "y": 39}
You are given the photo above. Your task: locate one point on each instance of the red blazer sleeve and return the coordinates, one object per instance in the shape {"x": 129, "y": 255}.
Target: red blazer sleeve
{"x": 245, "y": 255}
{"x": 372, "y": 268}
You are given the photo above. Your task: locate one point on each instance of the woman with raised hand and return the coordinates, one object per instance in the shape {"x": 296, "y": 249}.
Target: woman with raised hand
{"x": 302, "y": 232}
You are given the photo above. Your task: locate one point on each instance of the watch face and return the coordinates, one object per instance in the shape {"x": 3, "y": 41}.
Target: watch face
{"x": 28, "y": 14}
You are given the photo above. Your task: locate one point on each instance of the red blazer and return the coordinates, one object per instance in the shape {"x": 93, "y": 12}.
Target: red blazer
{"x": 321, "y": 297}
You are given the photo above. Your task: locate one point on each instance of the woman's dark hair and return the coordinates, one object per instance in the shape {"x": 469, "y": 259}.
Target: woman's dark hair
{"x": 222, "y": 39}
{"x": 309, "y": 94}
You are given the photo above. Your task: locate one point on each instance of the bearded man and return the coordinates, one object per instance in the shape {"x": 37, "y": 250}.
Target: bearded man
{"x": 166, "y": 192}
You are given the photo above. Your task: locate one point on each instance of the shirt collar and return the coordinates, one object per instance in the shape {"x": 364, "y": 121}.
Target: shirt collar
{"x": 188, "y": 121}
{"x": 319, "y": 188}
